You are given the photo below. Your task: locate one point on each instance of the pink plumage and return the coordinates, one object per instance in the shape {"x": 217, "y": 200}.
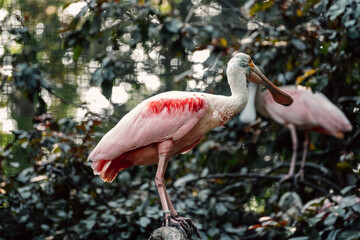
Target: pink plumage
{"x": 310, "y": 111}
{"x": 165, "y": 116}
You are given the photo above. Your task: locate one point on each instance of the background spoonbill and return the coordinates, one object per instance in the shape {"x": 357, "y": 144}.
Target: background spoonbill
{"x": 309, "y": 112}
{"x": 171, "y": 123}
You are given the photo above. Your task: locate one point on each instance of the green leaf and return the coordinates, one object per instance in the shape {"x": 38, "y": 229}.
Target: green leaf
{"x": 314, "y": 220}
{"x": 350, "y": 235}
{"x": 347, "y": 189}
{"x": 77, "y": 51}
{"x": 97, "y": 77}
{"x": 144, "y": 222}
{"x": 333, "y": 235}
{"x": 299, "y": 238}
{"x": 347, "y": 201}
{"x": 330, "y": 220}
{"x": 300, "y": 45}
{"x": 173, "y": 25}
{"x": 336, "y": 9}
{"x": 14, "y": 164}
{"x": 356, "y": 207}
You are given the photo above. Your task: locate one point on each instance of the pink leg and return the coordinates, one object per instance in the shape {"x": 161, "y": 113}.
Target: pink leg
{"x": 160, "y": 183}
{"x": 168, "y": 200}
{"x": 293, "y": 156}
{"x": 303, "y": 159}
{"x": 171, "y": 218}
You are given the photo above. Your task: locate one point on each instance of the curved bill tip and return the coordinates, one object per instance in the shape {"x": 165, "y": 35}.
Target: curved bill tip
{"x": 281, "y": 97}
{"x": 278, "y": 95}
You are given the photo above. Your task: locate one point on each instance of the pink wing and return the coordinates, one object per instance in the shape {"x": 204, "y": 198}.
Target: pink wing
{"x": 312, "y": 111}
{"x": 165, "y": 116}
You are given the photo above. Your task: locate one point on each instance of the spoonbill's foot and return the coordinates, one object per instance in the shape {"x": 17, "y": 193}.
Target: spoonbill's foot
{"x": 185, "y": 225}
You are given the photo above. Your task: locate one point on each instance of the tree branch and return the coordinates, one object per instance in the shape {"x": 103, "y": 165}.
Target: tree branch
{"x": 67, "y": 101}
{"x": 266, "y": 176}
{"x": 239, "y": 13}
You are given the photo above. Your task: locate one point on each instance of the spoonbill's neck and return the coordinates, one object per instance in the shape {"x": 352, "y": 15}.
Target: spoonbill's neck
{"x": 239, "y": 91}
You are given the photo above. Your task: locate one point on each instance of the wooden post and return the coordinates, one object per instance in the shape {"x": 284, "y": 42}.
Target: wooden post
{"x": 167, "y": 233}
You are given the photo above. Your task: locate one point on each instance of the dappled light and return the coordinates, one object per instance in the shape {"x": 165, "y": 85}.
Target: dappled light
{"x": 70, "y": 71}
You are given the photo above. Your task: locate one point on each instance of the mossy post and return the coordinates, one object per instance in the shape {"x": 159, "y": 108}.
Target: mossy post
{"x": 167, "y": 233}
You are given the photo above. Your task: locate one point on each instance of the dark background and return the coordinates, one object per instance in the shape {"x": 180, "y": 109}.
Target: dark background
{"x": 49, "y": 60}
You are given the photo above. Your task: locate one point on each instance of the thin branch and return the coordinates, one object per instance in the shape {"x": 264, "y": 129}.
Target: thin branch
{"x": 220, "y": 24}
{"x": 307, "y": 164}
{"x": 349, "y": 99}
{"x": 235, "y": 175}
{"x": 239, "y": 13}
{"x": 227, "y": 188}
{"x": 273, "y": 177}
{"x": 353, "y": 137}
{"x": 324, "y": 191}
{"x": 67, "y": 101}
{"x": 191, "y": 12}
{"x": 330, "y": 183}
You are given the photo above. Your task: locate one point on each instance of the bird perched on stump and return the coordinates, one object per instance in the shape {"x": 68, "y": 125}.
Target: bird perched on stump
{"x": 175, "y": 122}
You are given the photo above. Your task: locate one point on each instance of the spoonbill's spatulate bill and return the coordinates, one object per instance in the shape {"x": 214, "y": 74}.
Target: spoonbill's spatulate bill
{"x": 171, "y": 123}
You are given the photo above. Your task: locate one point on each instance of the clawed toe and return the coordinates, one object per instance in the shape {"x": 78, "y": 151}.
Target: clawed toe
{"x": 185, "y": 225}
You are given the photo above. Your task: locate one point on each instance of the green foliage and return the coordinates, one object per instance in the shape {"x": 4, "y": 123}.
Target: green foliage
{"x": 47, "y": 188}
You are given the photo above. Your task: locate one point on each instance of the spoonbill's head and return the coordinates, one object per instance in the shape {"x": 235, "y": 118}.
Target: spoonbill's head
{"x": 253, "y": 74}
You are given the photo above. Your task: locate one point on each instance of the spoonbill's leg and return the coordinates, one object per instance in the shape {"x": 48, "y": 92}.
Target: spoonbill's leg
{"x": 160, "y": 183}
{"x": 294, "y": 141}
{"x": 186, "y": 225}
{"x": 303, "y": 159}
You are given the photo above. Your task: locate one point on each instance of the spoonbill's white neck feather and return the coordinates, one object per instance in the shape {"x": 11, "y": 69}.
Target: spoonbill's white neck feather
{"x": 239, "y": 92}
{"x": 248, "y": 115}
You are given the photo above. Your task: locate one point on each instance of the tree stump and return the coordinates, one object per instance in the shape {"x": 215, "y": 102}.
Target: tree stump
{"x": 167, "y": 233}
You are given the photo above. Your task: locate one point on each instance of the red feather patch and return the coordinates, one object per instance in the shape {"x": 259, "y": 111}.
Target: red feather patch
{"x": 115, "y": 165}
{"x": 194, "y": 104}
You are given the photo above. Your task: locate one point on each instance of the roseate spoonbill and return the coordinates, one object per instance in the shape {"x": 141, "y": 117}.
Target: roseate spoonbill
{"x": 171, "y": 123}
{"x": 309, "y": 112}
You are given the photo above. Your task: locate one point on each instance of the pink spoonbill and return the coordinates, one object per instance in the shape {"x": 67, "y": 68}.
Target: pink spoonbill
{"x": 175, "y": 122}
{"x": 309, "y": 112}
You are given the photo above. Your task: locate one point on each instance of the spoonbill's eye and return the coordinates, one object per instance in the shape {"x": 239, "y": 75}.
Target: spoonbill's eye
{"x": 251, "y": 63}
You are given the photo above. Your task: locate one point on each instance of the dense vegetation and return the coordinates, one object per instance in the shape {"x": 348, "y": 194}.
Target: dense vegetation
{"x": 228, "y": 184}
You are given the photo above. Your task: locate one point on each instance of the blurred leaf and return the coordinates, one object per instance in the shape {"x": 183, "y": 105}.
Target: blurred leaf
{"x": 330, "y": 220}
{"x": 220, "y": 209}
{"x": 144, "y": 222}
{"x": 333, "y": 234}
{"x": 307, "y": 74}
{"x": 356, "y": 207}
{"x": 352, "y": 234}
{"x": 173, "y": 25}
{"x": 77, "y": 52}
{"x": 346, "y": 189}
{"x": 300, "y": 45}
{"x": 14, "y": 164}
